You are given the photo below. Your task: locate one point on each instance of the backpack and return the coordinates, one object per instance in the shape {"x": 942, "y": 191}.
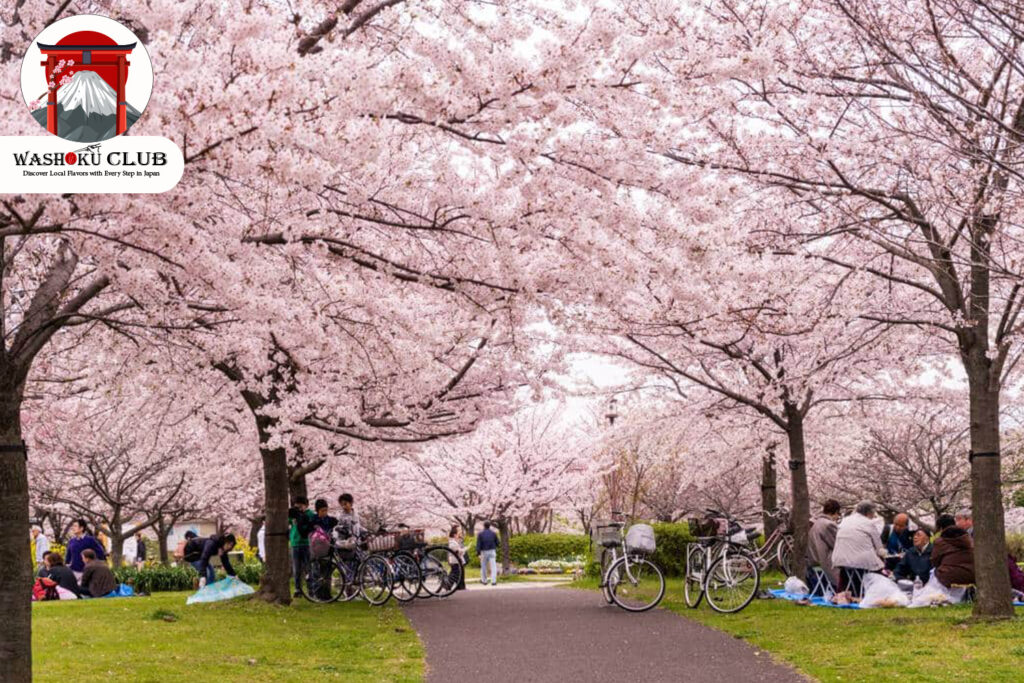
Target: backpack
{"x": 319, "y": 543}
{"x": 45, "y": 589}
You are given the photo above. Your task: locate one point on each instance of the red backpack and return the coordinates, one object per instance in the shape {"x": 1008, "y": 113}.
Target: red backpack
{"x": 45, "y": 589}
{"x": 319, "y": 543}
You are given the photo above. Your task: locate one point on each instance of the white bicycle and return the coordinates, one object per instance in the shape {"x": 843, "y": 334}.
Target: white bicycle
{"x": 628, "y": 579}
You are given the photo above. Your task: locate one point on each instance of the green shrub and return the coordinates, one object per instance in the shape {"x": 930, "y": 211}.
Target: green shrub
{"x": 527, "y": 548}
{"x": 157, "y": 578}
{"x": 250, "y": 572}
{"x": 671, "y": 546}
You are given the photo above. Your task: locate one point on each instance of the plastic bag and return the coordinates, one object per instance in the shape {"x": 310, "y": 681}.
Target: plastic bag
{"x": 934, "y": 593}
{"x": 640, "y": 538}
{"x": 795, "y": 586}
{"x": 225, "y": 589}
{"x": 881, "y": 591}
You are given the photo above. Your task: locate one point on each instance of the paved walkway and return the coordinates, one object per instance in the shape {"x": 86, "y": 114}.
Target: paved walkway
{"x": 542, "y": 634}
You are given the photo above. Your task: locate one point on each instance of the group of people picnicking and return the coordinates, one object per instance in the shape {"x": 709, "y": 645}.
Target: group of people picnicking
{"x": 842, "y": 551}
{"x": 84, "y": 572}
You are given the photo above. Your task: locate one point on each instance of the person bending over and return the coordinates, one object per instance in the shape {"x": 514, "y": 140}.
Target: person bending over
{"x": 199, "y": 551}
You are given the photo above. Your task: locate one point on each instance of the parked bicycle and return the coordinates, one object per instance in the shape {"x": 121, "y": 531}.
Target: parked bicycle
{"x": 628, "y": 578}
{"x": 722, "y": 570}
{"x": 349, "y": 569}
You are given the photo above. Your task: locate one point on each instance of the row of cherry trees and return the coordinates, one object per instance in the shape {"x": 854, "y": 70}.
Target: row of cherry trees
{"x": 382, "y": 200}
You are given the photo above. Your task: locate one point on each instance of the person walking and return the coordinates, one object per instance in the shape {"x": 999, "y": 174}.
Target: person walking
{"x": 457, "y": 546}
{"x": 42, "y": 546}
{"x": 261, "y": 543}
{"x": 81, "y": 540}
{"x": 140, "y": 550}
{"x": 487, "y": 551}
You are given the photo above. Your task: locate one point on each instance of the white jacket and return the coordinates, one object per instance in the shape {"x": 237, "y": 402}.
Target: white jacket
{"x": 858, "y": 543}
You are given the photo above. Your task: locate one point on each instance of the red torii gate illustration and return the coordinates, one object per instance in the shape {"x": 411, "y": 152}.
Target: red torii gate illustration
{"x": 91, "y": 51}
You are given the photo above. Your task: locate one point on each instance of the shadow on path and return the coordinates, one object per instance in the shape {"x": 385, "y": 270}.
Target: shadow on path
{"x": 569, "y": 636}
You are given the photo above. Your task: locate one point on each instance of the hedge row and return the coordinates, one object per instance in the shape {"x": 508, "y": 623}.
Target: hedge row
{"x": 157, "y": 577}
{"x": 527, "y": 548}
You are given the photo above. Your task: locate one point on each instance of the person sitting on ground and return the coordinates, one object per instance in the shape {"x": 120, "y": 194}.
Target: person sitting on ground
{"x": 199, "y": 551}
{"x": 323, "y": 519}
{"x": 965, "y": 520}
{"x": 820, "y": 542}
{"x": 898, "y": 539}
{"x": 97, "y": 579}
{"x": 952, "y": 553}
{"x": 916, "y": 562}
{"x": 858, "y": 548}
{"x": 60, "y": 574}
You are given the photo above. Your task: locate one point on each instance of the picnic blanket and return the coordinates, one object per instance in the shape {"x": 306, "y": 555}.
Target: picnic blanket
{"x": 225, "y": 589}
{"x": 816, "y": 601}
{"x": 822, "y": 602}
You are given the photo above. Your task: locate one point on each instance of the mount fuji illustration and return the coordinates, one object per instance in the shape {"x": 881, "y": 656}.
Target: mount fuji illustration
{"x": 87, "y": 109}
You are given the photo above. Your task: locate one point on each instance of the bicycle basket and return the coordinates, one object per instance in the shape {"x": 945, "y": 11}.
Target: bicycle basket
{"x": 609, "y": 537}
{"x": 383, "y": 542}
{"x": 413, "y": 538}
{"x": 640, "y": 539}
{"x": 701, "y": 527}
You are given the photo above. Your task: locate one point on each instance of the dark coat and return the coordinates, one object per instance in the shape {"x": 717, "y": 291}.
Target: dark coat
{"x": 64, "y": 577}
{"x": 953, "y": 557}
{"x": 915, "y": 564}
{"x": 97, "y": 579}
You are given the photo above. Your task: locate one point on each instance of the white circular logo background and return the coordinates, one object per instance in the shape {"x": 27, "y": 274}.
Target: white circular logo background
{"x": 84, "y": 85}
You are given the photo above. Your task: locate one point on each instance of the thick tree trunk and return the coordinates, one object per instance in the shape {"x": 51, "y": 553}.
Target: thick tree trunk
{"x": 254, "y": 529}
{"x": 16, "y": 570}
{"x": 274, "y": 586}
{"x": 506, "y": 549}
{"x": 800, "y": 516}
{"x": 769, "y": 491}
{"x": 993, "y": 580}
{"x": 162, "y": 531}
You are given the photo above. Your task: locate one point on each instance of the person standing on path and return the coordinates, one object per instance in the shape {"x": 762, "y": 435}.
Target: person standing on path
{"x": 81, "y": 540}
{"x": 301, "y": 526}
{"x": 487, "y": 550}
{"x": 42, "y": 546}
{"x": 456, "y": 545}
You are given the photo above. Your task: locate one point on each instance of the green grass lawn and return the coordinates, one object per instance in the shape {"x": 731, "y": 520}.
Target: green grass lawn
{"x": 927, "y": 644}
{"x": 129, "y": 639}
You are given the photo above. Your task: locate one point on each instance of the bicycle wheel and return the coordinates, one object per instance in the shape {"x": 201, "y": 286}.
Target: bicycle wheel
{"x": 325, "y": 581}
{"x": 442, "y": 571}
{"x": 608, "y": 558}
{"x": 407, "y": 578}
{"x": 732, "y": 582}
{"x": 693, "y": 584}
{"x": 375, "y": 580}
{"x": 784, "y": 555}
{"x": 639, "y": 584}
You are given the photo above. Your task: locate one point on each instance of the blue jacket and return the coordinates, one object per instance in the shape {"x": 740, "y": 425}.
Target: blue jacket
{"x": 486, "y": 540}
{"x": 75, "y": 548}
{"x": 915, "y": 563}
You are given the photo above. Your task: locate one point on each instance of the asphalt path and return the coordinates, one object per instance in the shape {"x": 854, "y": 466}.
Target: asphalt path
{"x": 541, "y": 633}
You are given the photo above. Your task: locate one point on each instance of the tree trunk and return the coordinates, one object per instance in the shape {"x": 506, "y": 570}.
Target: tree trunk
{"x": 506, "y": 549}
{"x": 769, "y": 491}
{"x": 297, "y": 484}
{"x": 993, "y": 581}
{"x": 16, "y": 574}
{"x": 254, "y": 529}
{"x": 274, "y": 586}
{"x": 162, "y": 530}
{"x": 800, "y": 516}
